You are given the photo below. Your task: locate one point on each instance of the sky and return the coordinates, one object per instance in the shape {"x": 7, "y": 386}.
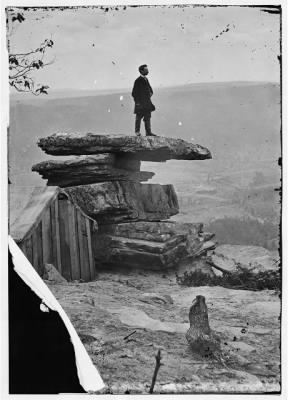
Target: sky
{"x": 98, "y": 50}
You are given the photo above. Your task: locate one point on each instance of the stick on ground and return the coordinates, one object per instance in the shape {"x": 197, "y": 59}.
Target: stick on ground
{"x": 158, "y": 365}
{"x": 130, "y": 334}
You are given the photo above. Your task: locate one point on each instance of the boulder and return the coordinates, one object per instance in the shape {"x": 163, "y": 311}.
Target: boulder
{"x": 207, "y": 235}
{"x": 156, "y": 298}
{"x": 157, "y": 148}
{"x": 204, "y": 248}
{"x": 114, "y": 202}
{"x": 217, "y": 272}
{"x": 147, "y": 245}
{"x": 196, "y": 265}
{"x": 137, "y": 254}
{"x": 144, "y": 230}
{"x": 52, "y": 275}
{"x": 83, "y": 170}
{"x": 255, "y": 258}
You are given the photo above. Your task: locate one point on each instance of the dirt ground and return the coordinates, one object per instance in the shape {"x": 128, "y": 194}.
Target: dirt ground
{"x": 154, "y": 309}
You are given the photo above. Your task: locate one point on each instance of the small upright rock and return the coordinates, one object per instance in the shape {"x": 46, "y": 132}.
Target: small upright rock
{"x": 199, "y": 336}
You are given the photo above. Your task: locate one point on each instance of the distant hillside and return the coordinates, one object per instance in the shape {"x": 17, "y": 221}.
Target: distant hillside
{"x": 238, "y": 122}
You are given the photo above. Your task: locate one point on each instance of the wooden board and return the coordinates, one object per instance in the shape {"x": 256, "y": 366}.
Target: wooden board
{"x": 64, "y": 239}
{"x": 90, "y": 252}
{"x": 80, "y": 243}
{"x": 47, "y": 237}
{"x": 37, "y": 249}
{"x": 29, "y": 249}
{"x": 83, "y": 247}
{"x": 74, "y": 249}
{"x": 53, "y": 234}
{"x": 57, "y": 235}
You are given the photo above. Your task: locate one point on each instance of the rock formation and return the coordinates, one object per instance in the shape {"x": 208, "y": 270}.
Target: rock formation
{"x": 120, "y": 201}
{"x": 157, "y": 148}
{"x": 91, "y": 169}
{"x": 105, "y": 180}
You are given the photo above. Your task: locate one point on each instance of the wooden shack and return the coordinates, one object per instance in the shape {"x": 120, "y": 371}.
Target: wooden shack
{"x": 50, "y": 228}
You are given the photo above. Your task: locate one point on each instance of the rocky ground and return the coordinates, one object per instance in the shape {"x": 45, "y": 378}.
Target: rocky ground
{"x": 154, "y": 309}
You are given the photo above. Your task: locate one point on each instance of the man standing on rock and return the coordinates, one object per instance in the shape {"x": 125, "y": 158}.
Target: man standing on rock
{"x": 142, "y": 93}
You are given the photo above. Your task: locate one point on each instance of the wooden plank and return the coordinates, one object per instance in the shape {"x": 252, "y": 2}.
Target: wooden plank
{"x": 64, "y": 239}
{"x": 28, "y": 249}
{"x": 22, "y": 246}
{"x": 85, "y": 269}
{"x": 47, "y": 237}
{"x": 90, "y": 253}
{"x": 80, "y": 244}
{"x": 74, "y": 253}
{"x": 37, "y": 249}
{"x": 56, "y": 235}
{"x": 40, "y": 248}
{"x": 53, "y": 235}
{"x": 58, "y": 244}
{"x": 35, "y": 261}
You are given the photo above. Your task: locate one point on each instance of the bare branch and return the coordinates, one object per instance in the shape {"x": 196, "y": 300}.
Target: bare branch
{"x": 20, "y": 73}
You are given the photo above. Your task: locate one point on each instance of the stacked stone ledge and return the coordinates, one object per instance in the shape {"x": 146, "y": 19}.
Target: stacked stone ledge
{"x": 105, "y": 180}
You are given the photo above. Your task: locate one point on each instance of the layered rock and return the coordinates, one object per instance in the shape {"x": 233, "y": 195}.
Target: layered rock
{"x": 111, "y": 202}
{"x": 157, "y": 148}
{"x": 91, "y": 169}
{"x": 105, "y": 182}
{"x": 146, "y": 245}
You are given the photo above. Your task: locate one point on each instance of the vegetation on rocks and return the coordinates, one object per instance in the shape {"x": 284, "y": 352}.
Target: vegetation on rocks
{"x": 243, "y": 278}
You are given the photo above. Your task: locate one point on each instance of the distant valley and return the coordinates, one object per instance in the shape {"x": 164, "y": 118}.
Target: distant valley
{"x": 238, "y": 122}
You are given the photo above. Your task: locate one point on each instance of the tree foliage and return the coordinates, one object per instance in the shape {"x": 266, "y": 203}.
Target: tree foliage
{"x": 23, "y": 65}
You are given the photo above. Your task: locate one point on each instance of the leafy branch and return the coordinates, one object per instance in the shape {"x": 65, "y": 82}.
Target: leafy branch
{"x": 22, "y": 65}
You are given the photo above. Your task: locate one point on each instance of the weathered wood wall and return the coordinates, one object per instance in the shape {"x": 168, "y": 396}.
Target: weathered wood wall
{"x": 62, "y": 237}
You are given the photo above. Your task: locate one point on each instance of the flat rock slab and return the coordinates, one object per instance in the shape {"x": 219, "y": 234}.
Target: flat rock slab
{"x": 255, "y": 258}
{"x": 148, "y": 245}
{"x": 145, "y": 230}
{"x": 109, "y": 309}
{"x": 115, "y": 251}
{"x": 157, "y": 148}
{"x": 139, "y": 319}
{"x": 83, "y": 170}
{"x": 156, "y": 298}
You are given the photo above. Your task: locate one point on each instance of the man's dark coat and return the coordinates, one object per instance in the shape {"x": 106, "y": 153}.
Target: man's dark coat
{"x": 142, "y": 93}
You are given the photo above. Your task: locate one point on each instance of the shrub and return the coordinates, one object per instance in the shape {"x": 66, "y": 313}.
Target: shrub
{"x": 242, "y": 278}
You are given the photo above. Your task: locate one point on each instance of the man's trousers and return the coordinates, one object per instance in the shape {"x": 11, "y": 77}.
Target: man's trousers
{"x": 146, "y": 115}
